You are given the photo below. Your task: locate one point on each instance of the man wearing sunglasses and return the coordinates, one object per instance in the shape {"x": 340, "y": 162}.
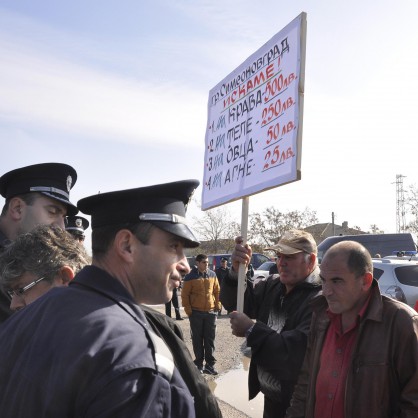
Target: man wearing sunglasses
{"x": 37, "y": 261}
{"x": 34, "y": 195}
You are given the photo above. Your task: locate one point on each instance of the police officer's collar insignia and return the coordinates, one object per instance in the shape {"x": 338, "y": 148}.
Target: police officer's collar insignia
{"x": 69, "y": 183}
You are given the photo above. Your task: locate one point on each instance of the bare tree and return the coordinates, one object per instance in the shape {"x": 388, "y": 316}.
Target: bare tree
{"x": 412, "y": 204}
{"x": 266, "y": 228}
{"x": 217, "y": 229}
{"x": 374, "y": 229}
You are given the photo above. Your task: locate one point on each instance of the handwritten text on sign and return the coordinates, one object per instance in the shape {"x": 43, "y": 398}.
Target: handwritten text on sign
{"x": 252, "y": 140}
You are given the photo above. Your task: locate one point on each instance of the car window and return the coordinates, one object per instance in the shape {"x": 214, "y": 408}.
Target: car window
{"x": 191, "y": 261}
{"x": 258, "y": 259}
{"x": 407, "y": 275}
{"x": 377, "y": 273}
{"x": 266, "y": 265}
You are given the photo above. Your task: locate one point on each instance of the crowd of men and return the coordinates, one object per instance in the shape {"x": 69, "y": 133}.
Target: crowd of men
{"x": 81, "y": 341}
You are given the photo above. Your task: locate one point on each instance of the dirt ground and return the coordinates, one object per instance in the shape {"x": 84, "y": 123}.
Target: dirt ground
{"x": 227, "y": 353}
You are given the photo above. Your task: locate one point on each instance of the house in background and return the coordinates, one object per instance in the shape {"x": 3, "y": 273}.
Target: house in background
{"x": 325, "y": 230}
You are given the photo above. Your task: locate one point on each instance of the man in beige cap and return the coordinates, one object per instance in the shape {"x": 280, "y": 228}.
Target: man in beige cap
{"x": 280, "y": 306}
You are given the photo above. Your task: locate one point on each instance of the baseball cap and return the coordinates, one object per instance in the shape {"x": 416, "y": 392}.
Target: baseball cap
{"x": 295, "y": 241}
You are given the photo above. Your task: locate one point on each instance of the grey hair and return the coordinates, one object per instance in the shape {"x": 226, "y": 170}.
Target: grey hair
{"x": 43, "y": 251}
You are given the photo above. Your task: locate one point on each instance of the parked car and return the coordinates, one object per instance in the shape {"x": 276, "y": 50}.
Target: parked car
{"x": 258, "y": 259}
{"x": 191, "y": 260}
{"x": 262, "y": 272}
{"x": 215, "y": 260}
{"x": 403, "y": 255}
{"x": 397, "y": 279}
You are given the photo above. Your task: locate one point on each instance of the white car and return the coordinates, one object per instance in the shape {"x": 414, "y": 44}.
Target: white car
{"x": 397, "y": 279}
{"x": 262, "y": 272}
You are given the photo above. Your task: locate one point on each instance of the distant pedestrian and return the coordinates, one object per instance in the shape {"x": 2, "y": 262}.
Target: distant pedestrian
{"x": 200, "y": 300}
{"x": 222, "y": 270}
{"x": 175, "y": 302}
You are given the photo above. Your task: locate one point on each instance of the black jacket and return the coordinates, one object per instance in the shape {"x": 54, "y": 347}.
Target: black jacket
{"x": 87, "y": 351}
{"x": 229, "y": 288}
{"x": 205, "y": 402}
{"x": 281, "y": 353}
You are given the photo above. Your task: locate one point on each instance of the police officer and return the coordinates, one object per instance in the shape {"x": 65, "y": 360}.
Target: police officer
{"x": 76, "y": 226}
{"x": 34, "y": 195}
{"x": 88, "y": 350}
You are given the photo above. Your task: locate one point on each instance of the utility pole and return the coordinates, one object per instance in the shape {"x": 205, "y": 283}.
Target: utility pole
{"x": 400, "y": 204}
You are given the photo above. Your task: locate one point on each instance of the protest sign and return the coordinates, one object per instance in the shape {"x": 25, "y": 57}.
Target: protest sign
{"x": 254, "y": 130}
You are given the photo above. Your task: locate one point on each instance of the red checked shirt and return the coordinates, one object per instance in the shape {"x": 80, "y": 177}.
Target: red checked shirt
{"x": 335, "y": 362}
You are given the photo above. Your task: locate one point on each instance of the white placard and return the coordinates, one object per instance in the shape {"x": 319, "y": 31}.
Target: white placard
{"x": 254, "y": 131}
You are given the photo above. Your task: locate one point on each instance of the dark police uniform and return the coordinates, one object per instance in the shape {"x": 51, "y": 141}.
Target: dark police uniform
{"x": 87, "y": 351}
{"x": 5, "y": 311}
{"x": 53, "y": 180}
{"x": 205, "y": 403}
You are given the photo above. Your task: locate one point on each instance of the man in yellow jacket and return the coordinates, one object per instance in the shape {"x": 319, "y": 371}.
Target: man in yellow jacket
{"x": 200, "y": 300}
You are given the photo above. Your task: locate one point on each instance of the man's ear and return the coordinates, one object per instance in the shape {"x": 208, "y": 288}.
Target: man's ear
{"x": 16, "y": 206}
{"x": 312, "y": 259}
{"x": 64, "y": 276}
{"x": 123, "y": 243}
{"x": 367, "y": 280}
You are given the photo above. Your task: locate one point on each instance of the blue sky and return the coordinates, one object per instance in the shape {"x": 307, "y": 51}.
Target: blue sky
{"x": 119, "y": 90}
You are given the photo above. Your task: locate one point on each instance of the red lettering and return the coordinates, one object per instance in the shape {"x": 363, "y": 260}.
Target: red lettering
{"x": 270, "y": 71}
{"x": 266, "y": 158}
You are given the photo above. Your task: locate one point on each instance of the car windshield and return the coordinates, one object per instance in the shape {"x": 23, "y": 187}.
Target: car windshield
{"x": 266, "y": 265}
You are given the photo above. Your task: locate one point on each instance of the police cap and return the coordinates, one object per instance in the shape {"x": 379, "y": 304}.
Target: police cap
{"x": 76, "y": 224}
{"x": 163, "y": 205}
{"x": 54, "y": 180}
